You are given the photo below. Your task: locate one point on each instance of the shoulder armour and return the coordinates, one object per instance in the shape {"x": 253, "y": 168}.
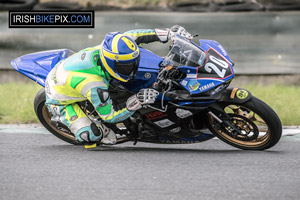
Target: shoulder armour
{"x": 82, "y": 60}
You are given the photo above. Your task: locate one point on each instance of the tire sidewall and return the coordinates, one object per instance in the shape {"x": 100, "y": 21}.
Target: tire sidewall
{"x": 39, "y": 103}
{"x": 266, "y": 113}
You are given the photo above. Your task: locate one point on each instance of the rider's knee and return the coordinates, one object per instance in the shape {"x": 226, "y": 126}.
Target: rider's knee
{"x": 89, "y": 134}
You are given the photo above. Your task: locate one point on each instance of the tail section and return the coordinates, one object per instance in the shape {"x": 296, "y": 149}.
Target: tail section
{"x": 37, "y": 65}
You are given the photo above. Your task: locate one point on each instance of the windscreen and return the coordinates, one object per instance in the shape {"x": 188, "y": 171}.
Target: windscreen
{"x": 185, "y": 53}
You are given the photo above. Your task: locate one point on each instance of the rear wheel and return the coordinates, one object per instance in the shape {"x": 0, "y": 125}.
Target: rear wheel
{"x": 260, "y": 127}
{"x": 44, "y": 116}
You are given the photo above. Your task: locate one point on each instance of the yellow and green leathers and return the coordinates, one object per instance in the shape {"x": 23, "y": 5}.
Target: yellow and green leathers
{"x": 76, "y": 79}
{"x": 82, "y": 77}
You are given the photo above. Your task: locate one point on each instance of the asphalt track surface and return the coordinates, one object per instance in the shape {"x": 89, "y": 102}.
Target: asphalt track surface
{"x": 37, "y": 165}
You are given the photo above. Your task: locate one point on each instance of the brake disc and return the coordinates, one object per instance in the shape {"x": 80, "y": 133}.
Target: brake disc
{"x": 248, "y": 129}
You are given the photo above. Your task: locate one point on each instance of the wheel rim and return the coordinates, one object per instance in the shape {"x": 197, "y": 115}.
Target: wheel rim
{"x": 47, "y": 116}
{"x": 256, "y": 124}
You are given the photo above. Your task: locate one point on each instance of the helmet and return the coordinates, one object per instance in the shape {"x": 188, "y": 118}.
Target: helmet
{"x": 120, "y": 56}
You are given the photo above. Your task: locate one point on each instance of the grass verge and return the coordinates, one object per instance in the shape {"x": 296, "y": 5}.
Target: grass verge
{"x": 283, "y": 99}
{"x": 16, "y": 101}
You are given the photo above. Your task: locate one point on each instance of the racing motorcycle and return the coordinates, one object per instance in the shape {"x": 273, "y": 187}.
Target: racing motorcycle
{"x": 195, "y": 102}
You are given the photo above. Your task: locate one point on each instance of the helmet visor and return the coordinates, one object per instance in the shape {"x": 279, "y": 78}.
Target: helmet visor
{"x": 127, "y": 69}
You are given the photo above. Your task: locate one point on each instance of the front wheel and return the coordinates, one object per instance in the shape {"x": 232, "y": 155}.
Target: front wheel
{"x": 260, "y": 127}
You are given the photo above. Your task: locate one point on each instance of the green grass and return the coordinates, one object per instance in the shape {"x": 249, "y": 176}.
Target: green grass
{"x": 284, "y": 99}
{"x": 16, "y": 101}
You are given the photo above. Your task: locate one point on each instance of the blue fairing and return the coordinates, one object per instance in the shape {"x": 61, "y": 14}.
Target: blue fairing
{"x": 37, "y": 65}
{"x": 147, "y": 72}
{"x": 199, "y": 80}
{"x": 207, "y": 44}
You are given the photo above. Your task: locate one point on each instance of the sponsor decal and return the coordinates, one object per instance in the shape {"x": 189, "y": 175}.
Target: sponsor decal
{"x": 183, "y": 113}
{"x": 123, "y": 117}
{"x": 164, "y": 123}
{"x": 155, "y": 115}
{"x": 207, "y": 86}
{"x": 242, "y": 94}
{"x": 191, "y": 75}
{"x": 233, "y": 93}
{"x": 178, "y": 141}
{"x": 133, "y": 104}
{"x": 73, "y": 118}
{"x": 183, "y": 83}
{"x": 104, "y": 104}
{"x": 193, "y": 85}
{"x": 83, "y": 56}
{"x": 175, "y": 130}
{"x": 147, "y": 75}
{"x": 47, "y": 88}
{"x": 135, "y": 54}
{"x": 53, "y": 76}
{"x": 55, "y": 110}
{"x": 223, "y": 50}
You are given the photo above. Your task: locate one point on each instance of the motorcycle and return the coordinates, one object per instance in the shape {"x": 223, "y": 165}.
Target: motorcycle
{"x": 195, "y": 102}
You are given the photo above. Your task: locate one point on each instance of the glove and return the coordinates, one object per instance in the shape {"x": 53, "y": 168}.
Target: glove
{"x": 162, "y": 34}
{"x": 143, "y": 97}
{"x": 180, "y": 31}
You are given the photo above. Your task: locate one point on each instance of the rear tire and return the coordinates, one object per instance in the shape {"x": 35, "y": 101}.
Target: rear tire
{"x": 260, "y": 124}
{"x": 44, "y": 116}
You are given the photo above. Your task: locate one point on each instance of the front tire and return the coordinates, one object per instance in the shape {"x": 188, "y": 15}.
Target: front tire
{"x": 260, "y": 126}
{"x": 44, "y": 116}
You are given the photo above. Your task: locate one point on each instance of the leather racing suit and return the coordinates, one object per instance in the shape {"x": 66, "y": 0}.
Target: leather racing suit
{"x": 81, "y": 77}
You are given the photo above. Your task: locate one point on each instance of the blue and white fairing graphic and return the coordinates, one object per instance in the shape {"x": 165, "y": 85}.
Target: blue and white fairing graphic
{"x": 216, "y": 70}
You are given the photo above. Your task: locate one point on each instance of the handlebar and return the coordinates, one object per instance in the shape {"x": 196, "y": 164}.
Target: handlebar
{"x": 167, "y": 76}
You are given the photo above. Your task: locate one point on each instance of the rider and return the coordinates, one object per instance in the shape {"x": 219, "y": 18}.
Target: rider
{"x": 86, "y": 76}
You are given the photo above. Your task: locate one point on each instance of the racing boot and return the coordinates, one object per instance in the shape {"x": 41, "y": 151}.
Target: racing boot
{"x": 89, "y": 135}
{"x": 109, "y": 136}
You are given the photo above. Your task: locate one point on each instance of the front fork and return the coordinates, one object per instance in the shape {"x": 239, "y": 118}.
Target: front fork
{"x": 217, "y": 113}
{"x": 230, "y": 95}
